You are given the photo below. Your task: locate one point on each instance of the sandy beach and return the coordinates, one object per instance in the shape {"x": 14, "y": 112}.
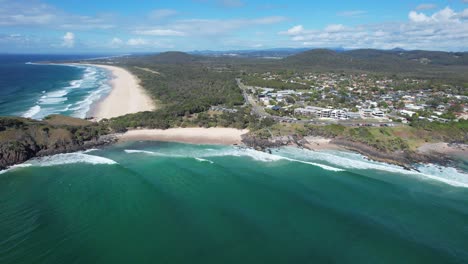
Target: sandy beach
{"x": 221, "y": 136}
{"x": 126, "y": 97}
{"x": 320, "y": 143}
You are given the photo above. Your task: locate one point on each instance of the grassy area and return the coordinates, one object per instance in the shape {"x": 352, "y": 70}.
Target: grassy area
{"x": 386, "y": 139}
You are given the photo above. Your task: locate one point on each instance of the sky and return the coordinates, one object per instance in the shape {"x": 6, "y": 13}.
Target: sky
{"x": 120, "y": 26}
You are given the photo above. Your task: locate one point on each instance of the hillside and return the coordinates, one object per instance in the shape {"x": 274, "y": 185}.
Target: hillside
{"x": 423, "y": 64}
{"x": 22, "y": 138}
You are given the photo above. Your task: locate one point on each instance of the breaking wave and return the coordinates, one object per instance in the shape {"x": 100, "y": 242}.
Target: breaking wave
{"x": 200, "y": 155}
{"x": 74, "y": 99}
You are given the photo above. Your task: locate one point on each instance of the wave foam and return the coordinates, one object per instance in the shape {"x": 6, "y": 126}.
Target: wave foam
{"x": 14, "y": 167}
{"x": 77, "y": 95}
{"x": 32, "y": 111}
{"x": 71, "y": 158}
{"x": 348, "y": 160}
{"x": 204, "y": 160}
{"x": 233, "y": 152}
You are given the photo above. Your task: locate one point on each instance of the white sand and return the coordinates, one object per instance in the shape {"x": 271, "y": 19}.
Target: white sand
{"x": 222, "y": 136}
{"x": 320, "y": 143}
{"x": 126, "y": 96}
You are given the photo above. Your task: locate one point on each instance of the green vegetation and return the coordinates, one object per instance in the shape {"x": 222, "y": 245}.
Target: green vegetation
{"x": 181, "y": 90}
{"x": 21, "y": 138}
{"x": 51, "y": 131}
{"x": 385, "y": 139}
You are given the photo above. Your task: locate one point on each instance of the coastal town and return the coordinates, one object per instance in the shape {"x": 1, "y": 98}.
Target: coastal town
{"x": 353, "y": 98}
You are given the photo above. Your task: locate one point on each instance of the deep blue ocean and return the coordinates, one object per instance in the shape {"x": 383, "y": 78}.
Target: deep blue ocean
{"x": 36, "y": 90}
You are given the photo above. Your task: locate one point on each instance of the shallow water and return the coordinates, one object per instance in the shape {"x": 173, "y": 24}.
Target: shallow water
{"x": 152, "y": 202}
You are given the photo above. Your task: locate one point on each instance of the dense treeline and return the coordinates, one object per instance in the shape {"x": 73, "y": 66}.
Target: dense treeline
{"x": 180, "y": 91}
{"x": 185, "y": 85}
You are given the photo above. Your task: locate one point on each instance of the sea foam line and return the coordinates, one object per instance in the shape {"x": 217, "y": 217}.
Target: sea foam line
{"x": 62, "y": 159}
{"x": 348, "y": 160}
{"x": 93, "y": 85}
{"x": 254, "y": 154}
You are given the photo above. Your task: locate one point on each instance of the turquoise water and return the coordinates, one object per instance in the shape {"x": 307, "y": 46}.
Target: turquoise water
{"x": 152, "y": 202}
{"x": 37, "y": 90}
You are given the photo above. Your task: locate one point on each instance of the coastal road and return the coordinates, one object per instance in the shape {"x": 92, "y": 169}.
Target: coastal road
{"x": 256, "y": 109}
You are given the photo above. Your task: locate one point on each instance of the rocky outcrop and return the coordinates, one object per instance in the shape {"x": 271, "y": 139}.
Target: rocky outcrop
{"x": 22, "y": 139}
{"x": 405, "y": 159}
{"x": 16, "y": 152}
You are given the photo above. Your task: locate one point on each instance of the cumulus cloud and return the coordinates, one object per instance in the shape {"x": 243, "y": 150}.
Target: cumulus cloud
{"x": 137, "y": 42}
{"x": 445, "y": 15}
{"x": 464, "y": 14}
{"x": 418, "y": 17}
{"x": 68, "y": 40}
{"x": 296, "y": 30}
{"x": 445, "y": 29}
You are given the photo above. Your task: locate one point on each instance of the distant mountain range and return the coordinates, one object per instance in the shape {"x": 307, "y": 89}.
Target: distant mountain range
{"x": 360, "y": 58}
{"x": 257, "y": 53}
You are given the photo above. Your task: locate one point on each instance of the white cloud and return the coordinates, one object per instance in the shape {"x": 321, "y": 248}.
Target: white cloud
{"x": 68, "y": 40}
{"x": 418, "y": 17}
{"x": 207, "y": 27}
{"x": 426, "y": 6}
{"x": 464, "y": 14}
{"x": 116, "y": 43}
{"x": 443, "y": 30}
{"x": 160, "y": 32}
{"x": 334, "y": 28}
{"x": 137, "y": 42}
{"x": 34, "y": 13}
{"x": 445, "y": 15}
{"x": 296, "y": 30}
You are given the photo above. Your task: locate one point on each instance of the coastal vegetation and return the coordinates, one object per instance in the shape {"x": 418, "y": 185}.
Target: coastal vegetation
{"x": 22, "y": 138}
{"x": 198, "y": 91}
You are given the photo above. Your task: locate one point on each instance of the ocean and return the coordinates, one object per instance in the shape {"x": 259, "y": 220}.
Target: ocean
{"x": 157, "y": 202}
{"x": 37, "y": 90}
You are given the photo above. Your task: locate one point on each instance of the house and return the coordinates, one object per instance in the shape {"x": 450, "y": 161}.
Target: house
{"x": 325, "y": 113}
{"x": 366, "y": 113}
{"x": 339, "y": 114}
{"x": 407, "y": 113}
{"x": 378, "y": 114}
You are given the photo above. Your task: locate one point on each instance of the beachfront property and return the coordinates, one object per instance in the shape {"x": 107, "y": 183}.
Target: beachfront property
{"x": 319, "y": 112}
{"x": 332, "y": 95}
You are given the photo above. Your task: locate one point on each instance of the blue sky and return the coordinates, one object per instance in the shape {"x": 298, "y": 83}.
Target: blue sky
{"x": 70, "y": 26}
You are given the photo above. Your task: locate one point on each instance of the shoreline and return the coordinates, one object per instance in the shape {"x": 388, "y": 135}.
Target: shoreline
{"x": 125, "y": 97}
{"x": 193, "y": 135}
